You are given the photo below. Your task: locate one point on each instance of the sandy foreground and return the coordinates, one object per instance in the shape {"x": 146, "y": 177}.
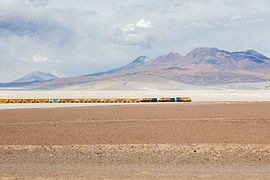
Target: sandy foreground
{"x": 153, "y": 141}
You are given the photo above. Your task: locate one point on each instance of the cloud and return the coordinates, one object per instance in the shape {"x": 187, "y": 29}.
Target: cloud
{"x": 38, "y": 3}
{"x": 41, "y": 59}
{"x": 133, "y": 35}
{"x": 238, "y": 17}
{"x": 129, "y": 35}
{"x": 142, "y": 23}
{"x": 128, "y": 28}
{"x": 197, "y": 25}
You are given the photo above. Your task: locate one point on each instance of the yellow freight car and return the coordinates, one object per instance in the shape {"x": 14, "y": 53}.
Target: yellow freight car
{"x": 15, "y": 100}
{"x": 81, "y": 100}
{"x": 42, "y": 100}
{"x": 183, "y": 99}
{"x": 67, "y": 100}
{"x": 94, "y": 100}
{"x": 29, "y": 100}
{"x": 187, "y": 99}
{"x": 164, "y": 100}
{"x": 146, "y": 99}
{"x": 120, "y": 100}
{"x": 107, "y": 100}
{"x": 133, "y": 100}
{"x": 4, "y": 100}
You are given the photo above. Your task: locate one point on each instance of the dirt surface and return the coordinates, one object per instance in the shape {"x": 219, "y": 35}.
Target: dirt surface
{"x": 136, "y": 161}
{"x": 175, "y": 141}
{"x": 159, "y": 124}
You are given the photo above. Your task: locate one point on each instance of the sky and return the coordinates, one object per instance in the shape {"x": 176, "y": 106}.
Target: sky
{"x": 76, "y": 37}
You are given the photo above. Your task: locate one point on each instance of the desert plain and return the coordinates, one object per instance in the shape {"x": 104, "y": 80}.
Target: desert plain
{"x": 197, "y": 140}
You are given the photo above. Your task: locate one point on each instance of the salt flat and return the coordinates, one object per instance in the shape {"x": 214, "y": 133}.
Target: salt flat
{"x": 196, "y": 96}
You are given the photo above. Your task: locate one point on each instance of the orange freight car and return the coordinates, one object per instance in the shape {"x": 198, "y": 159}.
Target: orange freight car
{"x": 164, "y": 100}
{"x": 4, "y": 100}
{"x": 42, "y": 100}
{"x": 68, "y": 100}
{"x": 183, "y": 99}
{"x": 120, "y": 100}
{"x": 133, "y": 100}
{"x": 106, "y": 100}
{"x": 94, "y": 100}
{"x": 81, "y": 100}
{"x": 29, "y": 100}
{"x": 15, "y": 100}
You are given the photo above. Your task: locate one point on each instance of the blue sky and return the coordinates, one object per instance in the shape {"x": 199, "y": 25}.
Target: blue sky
{"x": 68, "y": 37}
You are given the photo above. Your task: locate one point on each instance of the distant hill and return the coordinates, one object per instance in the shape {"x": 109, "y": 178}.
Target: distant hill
{"x": 201, "y": 67}
{"x": 36, "y": 76}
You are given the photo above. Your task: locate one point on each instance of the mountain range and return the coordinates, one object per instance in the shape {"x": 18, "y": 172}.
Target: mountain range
{"x": 202, "y": 66}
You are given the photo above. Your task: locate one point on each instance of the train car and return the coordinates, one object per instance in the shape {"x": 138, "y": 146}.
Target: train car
{"x": 15, "y": 100}
{"x": 11, "y": 100}
{"x": 120, "y": 100}
{"x": 145, "y": 99}
{"x": 4, "y": 100}
{"x": 172, "y": 99}
{"x": 133, "y": 100}
{"x": 188, "y": 99}
{"x": 94, "y": 100}
{"x": 107, "y": 100}
{"x": 154, "y": 100}
{"x": 81, "y": 100}
{"x": 166, "y": 100}
{"x": 183, "y": 99}
{"x": 29, "y": 100}
{"x": 67, "y": 100}
{"x": 42, "y": 100}
{"x": 55, "y": 100}
{"x": 148, "y": 100}
{"x": 163, "y": 99}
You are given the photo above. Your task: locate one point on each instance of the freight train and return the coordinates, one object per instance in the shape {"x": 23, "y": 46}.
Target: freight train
{"x": 122, "y": 100}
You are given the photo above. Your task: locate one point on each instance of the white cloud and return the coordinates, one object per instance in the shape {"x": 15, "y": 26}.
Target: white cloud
{"x": 128, "y": 28}
{"x": 142, "y": 23}
{"x": 132, "y": 34}
{"x": 39, "y": 59}
{"x": 239, "y": 17}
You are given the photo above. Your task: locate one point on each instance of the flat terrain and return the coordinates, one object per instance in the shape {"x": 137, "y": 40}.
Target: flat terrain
{"x": 244, "y": 123}
{"x": 197, "y": 94}
{"x": 176, "y": 141}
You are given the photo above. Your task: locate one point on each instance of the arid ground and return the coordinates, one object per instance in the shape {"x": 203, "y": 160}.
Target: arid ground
{"x": 153, "y": 141}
